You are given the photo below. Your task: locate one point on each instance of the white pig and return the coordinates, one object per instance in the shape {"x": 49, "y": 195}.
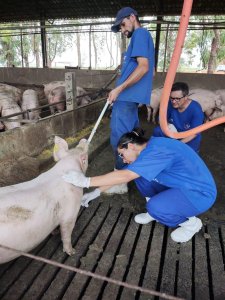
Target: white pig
{"x": 15, "y": 92}
{"x": 30, "y": 101}
{"x": 55, "y": 92}
{"x": 56, "y": 95}
{"x": 218, "y": 112}
{"x": 221, "y": 93}
{"x": 153, "y": 107}
{"x": 208, "y": 100}
{"x": 51, "y": 86}
{"x": 9, "y": 106}
{"x": 31, "y": 210}
{"x": 82, "y": 100}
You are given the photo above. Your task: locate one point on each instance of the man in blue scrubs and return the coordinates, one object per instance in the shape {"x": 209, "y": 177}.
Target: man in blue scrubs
{"x": 135, "y": 82}
{"x": 184, "y": 113}
{"x": 169, "y": 173}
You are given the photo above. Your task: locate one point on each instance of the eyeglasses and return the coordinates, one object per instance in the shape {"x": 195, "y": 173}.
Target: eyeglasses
{"x": 124, "y": 145}
{"x": 121, "y": 155}
{"x": 176, "y": 99}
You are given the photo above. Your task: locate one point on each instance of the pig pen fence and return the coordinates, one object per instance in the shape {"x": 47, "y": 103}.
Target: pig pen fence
{"x": 109, "y": 243}
{"x": 45, "y": 109}
{"x": 70, "y": 102}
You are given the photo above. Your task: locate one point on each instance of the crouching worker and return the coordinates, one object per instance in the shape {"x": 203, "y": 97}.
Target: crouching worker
{"x": 174, "y": 179}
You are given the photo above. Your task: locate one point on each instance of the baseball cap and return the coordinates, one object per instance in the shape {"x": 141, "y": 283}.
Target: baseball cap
{"x": 122, "y": 13}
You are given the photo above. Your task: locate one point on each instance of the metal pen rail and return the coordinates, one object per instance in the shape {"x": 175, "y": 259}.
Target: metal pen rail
{"x": 7, "y": 118}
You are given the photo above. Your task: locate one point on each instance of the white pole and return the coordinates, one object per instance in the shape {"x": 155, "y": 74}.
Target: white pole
{"x": 98, "y": 121}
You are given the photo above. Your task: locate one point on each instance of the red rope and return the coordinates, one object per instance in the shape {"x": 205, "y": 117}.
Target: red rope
{"x": 88, "y": 273}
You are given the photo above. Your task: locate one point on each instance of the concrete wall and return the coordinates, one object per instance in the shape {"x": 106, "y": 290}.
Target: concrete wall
{"x": 30, "y": 140}
{"x": 97, "y": 79}
{"x": 84, "y": 78}
{"x": 194, "y": 80}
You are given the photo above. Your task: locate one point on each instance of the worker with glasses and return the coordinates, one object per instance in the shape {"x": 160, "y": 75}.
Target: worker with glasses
{"x": 163, "y": 171}
{"x": 184, "y": 114}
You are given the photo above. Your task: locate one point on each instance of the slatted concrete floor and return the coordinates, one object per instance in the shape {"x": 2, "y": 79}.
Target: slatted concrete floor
{"x": 110, "y": 243}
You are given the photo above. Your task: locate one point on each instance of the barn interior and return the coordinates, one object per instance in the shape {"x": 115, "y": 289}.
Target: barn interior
{"x": 107, "y": 240}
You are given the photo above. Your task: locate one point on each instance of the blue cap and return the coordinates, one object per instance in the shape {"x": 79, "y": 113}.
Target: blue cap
{"x": 122, "y": 13}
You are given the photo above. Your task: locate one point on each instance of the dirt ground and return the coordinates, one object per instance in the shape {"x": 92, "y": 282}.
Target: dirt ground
{"x": 213, "y": 153}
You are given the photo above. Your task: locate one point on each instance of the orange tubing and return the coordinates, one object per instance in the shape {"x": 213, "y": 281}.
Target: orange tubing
{"x": 186, "y": 11}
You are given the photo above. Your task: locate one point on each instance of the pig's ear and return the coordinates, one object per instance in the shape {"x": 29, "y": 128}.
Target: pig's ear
{"x": 83, "y": 144}
{"x": 84, "y": 161}
{"x": 60, "y": 148}
{"x": 82, "y": 148}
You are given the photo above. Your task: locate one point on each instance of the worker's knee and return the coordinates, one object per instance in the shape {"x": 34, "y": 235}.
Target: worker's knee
{"x": 160, "y": 213}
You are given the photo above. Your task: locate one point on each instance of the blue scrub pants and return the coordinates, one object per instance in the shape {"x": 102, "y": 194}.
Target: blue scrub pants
{"x": 124, "y": 119}
{"x": 168, "y": 206}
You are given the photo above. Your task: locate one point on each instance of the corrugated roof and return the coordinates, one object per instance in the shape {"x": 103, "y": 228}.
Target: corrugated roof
{"x": 28, "y": 10}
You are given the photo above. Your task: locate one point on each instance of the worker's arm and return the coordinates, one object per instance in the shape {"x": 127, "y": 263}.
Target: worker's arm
{"x": 103, "y": 181}
{"x": 116, "y": 177}
{"x": 138, "y": 73}
{"x": 188, "y": 139}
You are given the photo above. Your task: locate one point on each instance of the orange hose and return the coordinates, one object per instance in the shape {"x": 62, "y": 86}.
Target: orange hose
{"x": 185, "y": 15}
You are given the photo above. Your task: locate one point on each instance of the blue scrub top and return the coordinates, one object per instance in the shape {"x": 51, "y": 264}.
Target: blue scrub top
{"x": 175, "y": 165}
{"x": 141, "y": 45}
{"x": 190, "y": 118}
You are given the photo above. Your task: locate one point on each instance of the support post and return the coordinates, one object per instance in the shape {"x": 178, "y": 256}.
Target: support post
{"x": 90, "y": 48}
{"x": 43, "y": 44}
{"x": 157, "y": 41}
{"x": 122, "y": 47}
{"x": 71, "y": 92}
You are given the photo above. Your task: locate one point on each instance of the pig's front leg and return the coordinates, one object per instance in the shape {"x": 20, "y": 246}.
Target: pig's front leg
{"x": 66, "y": 231}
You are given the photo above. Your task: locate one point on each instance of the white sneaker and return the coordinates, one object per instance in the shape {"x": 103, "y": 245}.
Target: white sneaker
{"x": 143, "y": 218}
{"x": 117, "y": 189}
{"x": 186, "y": 230}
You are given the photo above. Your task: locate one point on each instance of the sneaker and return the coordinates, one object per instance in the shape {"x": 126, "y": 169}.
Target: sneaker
{"x": 186, "y": 230}
{"x": 117, "y": 189}
{"x": 143, "y": 218}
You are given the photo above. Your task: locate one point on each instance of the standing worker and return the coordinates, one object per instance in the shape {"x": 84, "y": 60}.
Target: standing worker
{"x": 175, "y": 181}
{"x": 135, "y": 82}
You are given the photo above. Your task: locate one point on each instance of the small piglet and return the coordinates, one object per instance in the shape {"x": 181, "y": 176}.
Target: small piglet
{"x": 31, "y": 210}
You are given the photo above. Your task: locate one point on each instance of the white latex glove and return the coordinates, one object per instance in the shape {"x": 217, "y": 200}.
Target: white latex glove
{"x": 77, "y": 178}
{"x": 89, "y": 197}
{"x": 172, "y": 127}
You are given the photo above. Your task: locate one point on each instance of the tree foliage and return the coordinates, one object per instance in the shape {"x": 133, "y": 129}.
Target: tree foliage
{"x": 203, "y": 49}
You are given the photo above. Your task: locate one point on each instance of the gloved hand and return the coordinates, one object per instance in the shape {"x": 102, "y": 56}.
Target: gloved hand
{"x": 77, "y": 178}
{"x": 172, "y": 127}
{"x": 89, "y": 197}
